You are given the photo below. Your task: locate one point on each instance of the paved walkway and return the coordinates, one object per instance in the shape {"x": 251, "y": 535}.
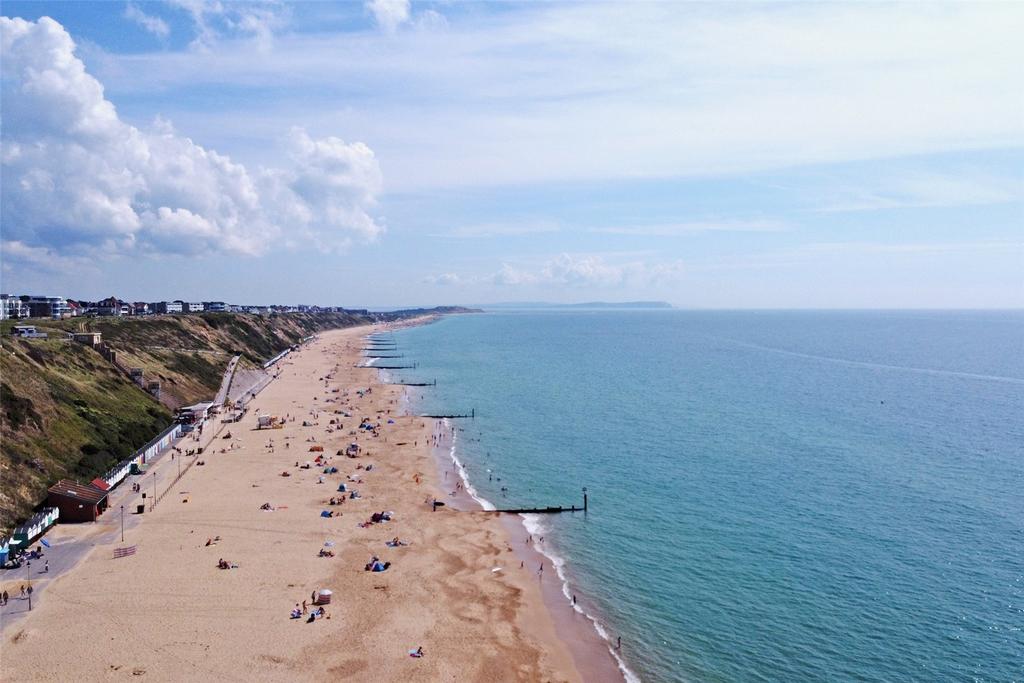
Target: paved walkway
{"x": 70, "y": 543}
{"x": 225, "y": 383}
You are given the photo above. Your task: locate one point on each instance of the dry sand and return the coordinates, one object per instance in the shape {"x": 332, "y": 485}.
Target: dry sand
{"x": 168, "y": 612}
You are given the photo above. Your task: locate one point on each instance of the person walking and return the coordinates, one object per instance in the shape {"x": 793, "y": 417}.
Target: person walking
{"x": 23, "y": 591}
{"x": 46, "y": 566}
{"x": 3, "y": 597}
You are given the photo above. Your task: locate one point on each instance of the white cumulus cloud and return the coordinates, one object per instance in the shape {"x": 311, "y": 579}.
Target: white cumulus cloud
{"x": 213, "y": 21}
{"x": 154, "y": 25}
{"x": 389, "y": 14}
{"x": 443, "y": 279}
{"x": 77, "y": 179}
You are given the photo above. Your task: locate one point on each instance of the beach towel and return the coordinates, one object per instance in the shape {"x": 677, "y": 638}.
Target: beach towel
{"x": 325, "y": 513}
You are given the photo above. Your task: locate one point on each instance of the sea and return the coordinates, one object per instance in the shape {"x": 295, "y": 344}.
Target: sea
{"x": 773, "y": 496}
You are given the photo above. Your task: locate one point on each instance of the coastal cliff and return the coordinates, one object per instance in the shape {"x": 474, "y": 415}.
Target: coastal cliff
{"x": 71, "y": 410}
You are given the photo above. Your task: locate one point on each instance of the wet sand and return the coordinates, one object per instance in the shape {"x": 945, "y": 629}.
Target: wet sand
{"x": 169, "y": 613}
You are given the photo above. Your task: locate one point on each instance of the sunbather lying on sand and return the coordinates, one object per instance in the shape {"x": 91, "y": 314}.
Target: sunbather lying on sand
{"x": 375, "y": 565}
{"x": 320, "y": 613}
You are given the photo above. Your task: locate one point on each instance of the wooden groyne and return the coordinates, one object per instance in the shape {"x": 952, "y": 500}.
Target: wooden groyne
{"x": 416, "y": 384}
{"x": 548, "y": 510}
{"x": 470, "y": 415}
{"x": 391, "y": 367}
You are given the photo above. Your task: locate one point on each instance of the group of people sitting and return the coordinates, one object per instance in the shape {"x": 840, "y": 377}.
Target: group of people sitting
{"x": 318, "y": 613}
{"x": 225, "y": 564}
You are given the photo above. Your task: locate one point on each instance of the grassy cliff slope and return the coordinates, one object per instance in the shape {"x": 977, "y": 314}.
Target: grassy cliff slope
{"x": 65, "y": 411}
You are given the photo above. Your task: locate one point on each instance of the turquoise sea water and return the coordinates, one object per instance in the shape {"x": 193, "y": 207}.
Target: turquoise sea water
{"x": 773, "y": 496}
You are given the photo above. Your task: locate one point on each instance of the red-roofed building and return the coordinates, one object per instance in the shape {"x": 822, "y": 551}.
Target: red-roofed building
{"x": 77, "y": 503}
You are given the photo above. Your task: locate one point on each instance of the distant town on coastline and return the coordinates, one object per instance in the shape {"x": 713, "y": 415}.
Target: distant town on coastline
{"x": 58, "y": 307}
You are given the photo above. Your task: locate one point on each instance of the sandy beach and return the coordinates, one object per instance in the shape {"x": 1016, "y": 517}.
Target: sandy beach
{"x": 169, "y": 613}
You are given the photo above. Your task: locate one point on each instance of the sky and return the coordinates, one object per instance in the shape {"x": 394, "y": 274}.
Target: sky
{"x": 394, "y": 153}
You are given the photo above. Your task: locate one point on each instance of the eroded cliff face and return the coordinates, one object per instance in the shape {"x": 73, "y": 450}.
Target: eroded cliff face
{"x": 66, "y": 410}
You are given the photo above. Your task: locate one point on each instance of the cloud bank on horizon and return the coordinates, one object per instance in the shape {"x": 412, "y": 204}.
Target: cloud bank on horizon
{"x": 77, "y": 179}
{"x": 741, "y": 154}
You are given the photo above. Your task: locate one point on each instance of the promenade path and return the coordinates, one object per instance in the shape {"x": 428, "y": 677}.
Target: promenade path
{"x": 71, "y": 543}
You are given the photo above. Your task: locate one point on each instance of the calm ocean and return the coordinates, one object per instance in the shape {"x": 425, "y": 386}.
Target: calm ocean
{"x": 776, "y": 496}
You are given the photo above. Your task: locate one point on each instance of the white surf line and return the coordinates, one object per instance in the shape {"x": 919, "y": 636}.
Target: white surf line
{"x": 534, "y": 527}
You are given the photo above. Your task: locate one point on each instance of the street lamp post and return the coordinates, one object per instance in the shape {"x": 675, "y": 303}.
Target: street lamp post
{"x": 28, "y": 575}
{"x": 122, "y": 524}
{"x": 154, "y": 492}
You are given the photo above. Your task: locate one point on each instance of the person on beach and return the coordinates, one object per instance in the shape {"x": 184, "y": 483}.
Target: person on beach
{"x": 304, "y": 608}
{"x": 23, "y": 591}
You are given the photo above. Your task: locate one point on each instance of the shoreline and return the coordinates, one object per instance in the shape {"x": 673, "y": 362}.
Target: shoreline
{"x": 169, "y": 613}
{"x": 576, "y": 627}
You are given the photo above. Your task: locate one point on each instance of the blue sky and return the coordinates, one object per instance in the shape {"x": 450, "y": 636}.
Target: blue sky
{"x": 391, "y": 153}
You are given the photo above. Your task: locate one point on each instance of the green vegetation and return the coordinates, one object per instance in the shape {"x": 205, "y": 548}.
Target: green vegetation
{"x": 68, "y": 412}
